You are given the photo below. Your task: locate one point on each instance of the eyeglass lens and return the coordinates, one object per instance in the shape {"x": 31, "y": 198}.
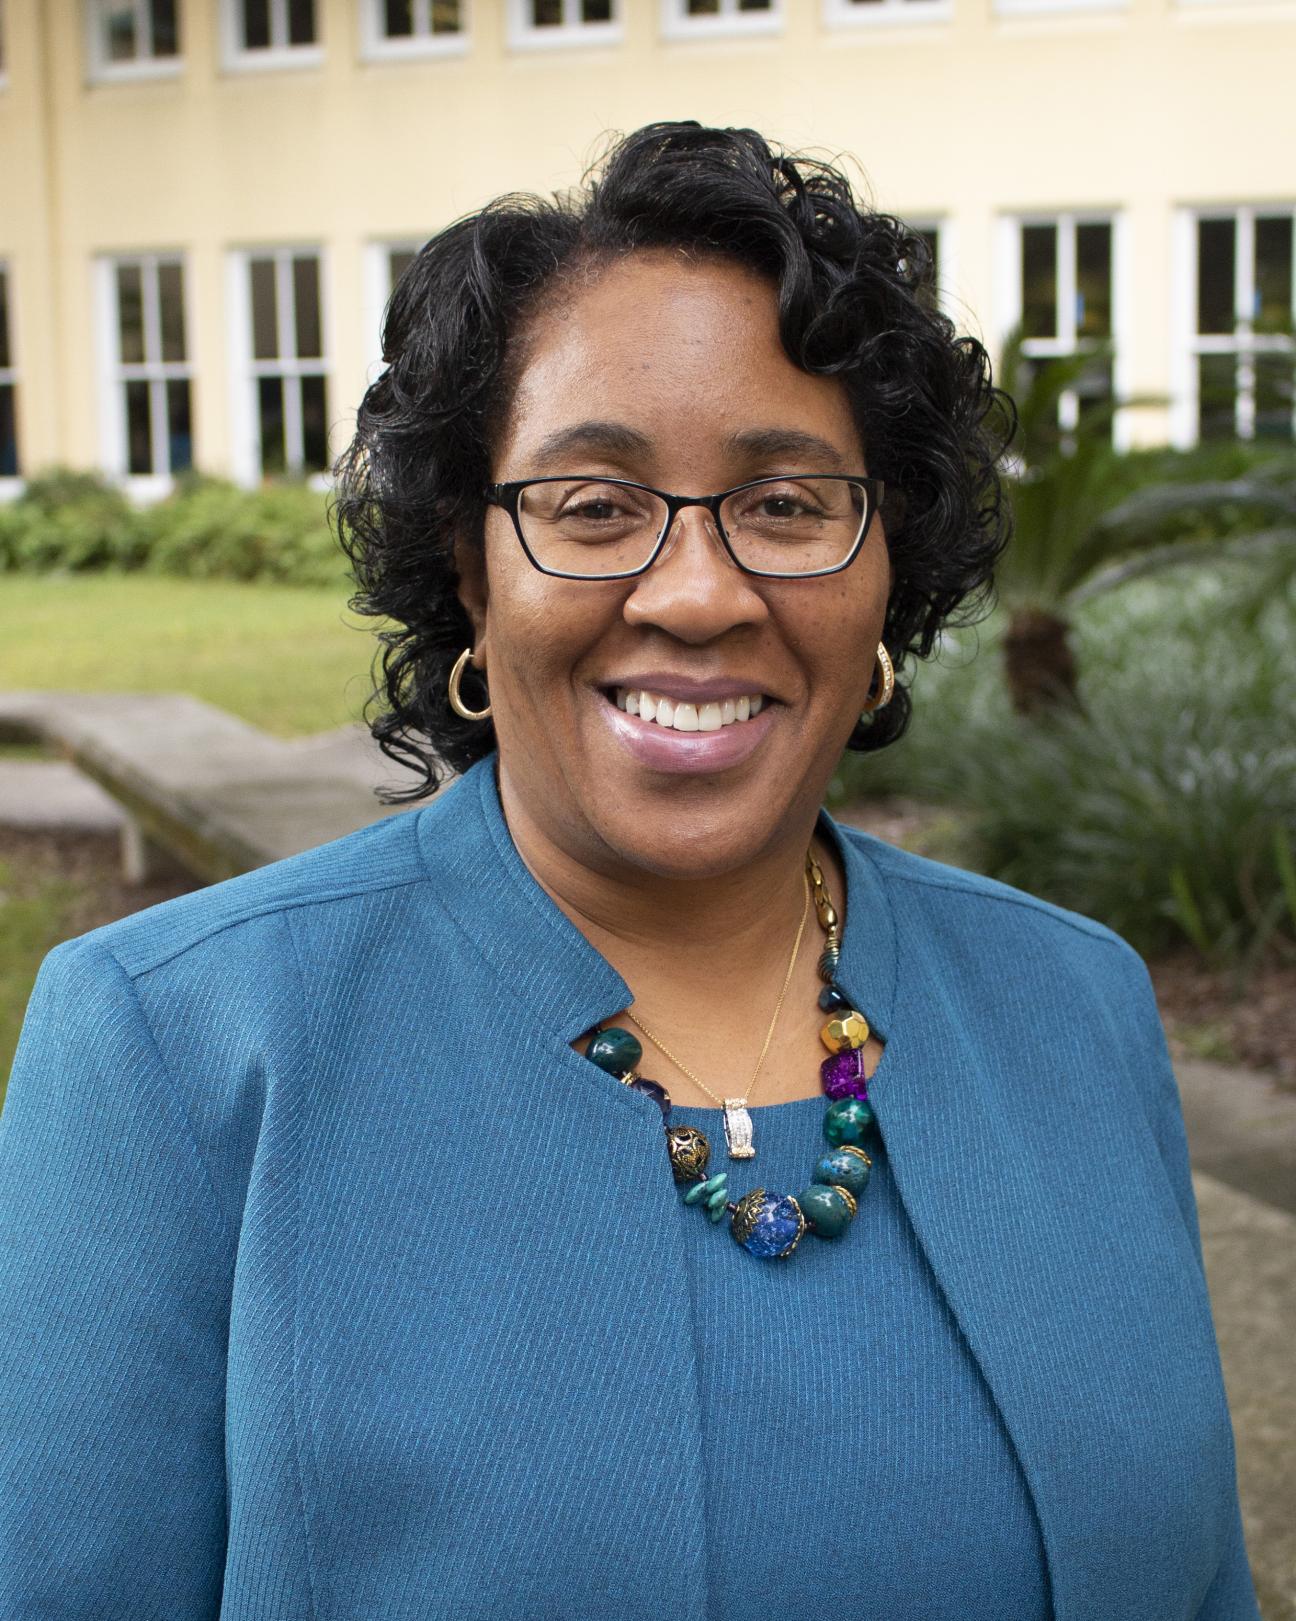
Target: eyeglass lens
{"x": 591, "y": 527}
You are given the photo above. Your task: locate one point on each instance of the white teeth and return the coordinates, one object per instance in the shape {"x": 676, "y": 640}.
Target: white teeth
{"x": 687, "y": 717}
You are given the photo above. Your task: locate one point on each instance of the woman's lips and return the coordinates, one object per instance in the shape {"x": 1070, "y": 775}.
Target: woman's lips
{"x": 662, "y": 748}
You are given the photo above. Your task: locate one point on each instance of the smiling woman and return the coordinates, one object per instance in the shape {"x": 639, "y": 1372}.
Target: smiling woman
{"x": 357, "y": 1262}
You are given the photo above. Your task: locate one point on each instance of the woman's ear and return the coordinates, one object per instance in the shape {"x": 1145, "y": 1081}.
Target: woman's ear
{"x": 470, "y": 566}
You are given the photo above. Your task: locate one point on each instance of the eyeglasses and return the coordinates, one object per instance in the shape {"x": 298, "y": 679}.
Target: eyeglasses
{"x": 586, "y": 527}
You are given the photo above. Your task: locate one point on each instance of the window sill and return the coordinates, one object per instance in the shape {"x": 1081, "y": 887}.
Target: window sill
{"x": 148, "y": 69}
{"x": 888, "y": 14}
{"x": 287, "y": 59}
{"x": 580, "y": 37}
{"x": 383, "y": 51}
{"x": 746, "y": 25}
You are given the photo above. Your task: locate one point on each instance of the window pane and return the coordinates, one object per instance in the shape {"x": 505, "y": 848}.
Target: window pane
{"x": 256, "y": 24}
{"x": 398, "y": 18}
{"x": 398, "y": 262}
{"x": 1273, "y": 273}
{"x": 596, "y": 11}
{"x": 171, "y": 308}
{"x": 120, "y": 42}
{"x": 1215, "y": 275}
{"x": 130, "y": 314}
{"x": 271, "y": 417}
{"x": 265, "y": 319}
{"x": 754, "y": 5}
{"x": 445, "y": 16}
{"x": 307, "y": 307}
{"x": 927, "y": 289}
{"x": 704, "y": 8}
{"x": 546, "y": 13}
{"x": 301, "y": 22}
{"x": 179, "y": 431}
{"x": 1094, "y": 389}
{"x": 314, "y": 424}
{"x": 1094, "y": 281}
{"x": 1274, "y": 376}
{"x": 1039, "y": 281}
{"x": 6, "y": 359}
{"x": 166, "y": 36}
{"x": 1217, "y": 396}
{"x": 139, "y": 429}
{"x": 8, "y": 433}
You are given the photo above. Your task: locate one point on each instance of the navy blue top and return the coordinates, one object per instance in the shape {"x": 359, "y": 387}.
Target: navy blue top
{"x": 334, "y": 1283}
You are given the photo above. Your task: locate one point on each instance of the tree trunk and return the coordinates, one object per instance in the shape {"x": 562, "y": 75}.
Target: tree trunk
{"x": 1038, "y": 662}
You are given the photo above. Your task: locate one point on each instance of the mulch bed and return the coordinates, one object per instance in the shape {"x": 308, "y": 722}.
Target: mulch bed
{"x": 1206, "y": 1014}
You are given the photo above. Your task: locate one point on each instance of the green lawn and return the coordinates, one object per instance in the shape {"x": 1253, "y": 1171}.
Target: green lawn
{"x": 290, "y": 659}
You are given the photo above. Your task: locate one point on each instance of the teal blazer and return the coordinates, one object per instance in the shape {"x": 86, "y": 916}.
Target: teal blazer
{"x": 335, "y": 1283}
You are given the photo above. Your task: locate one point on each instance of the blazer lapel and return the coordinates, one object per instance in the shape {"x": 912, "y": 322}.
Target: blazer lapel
{"x": 1026, "y": 1166}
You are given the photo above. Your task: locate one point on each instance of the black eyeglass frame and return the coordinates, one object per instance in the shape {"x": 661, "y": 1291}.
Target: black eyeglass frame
{"x": 507, "y": 495}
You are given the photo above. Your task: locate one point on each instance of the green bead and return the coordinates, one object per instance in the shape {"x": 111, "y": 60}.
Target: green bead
{"x": 614, "y": 1050}
{"x": 847, "y": 1121}
{"x": 706, "y": 1190}
{"x": 718, "y": 1199}
{"x": 846, "y": 1167}
{"x": 718, "y": 1214}
{"x": 828, "y": 1210}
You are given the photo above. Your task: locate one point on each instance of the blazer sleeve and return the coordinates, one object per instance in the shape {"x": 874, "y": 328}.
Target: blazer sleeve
{"x": 115, "y": 1270}
{"x": 1231, "y": 1596}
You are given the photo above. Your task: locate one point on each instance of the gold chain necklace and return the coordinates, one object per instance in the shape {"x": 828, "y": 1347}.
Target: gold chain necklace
{"x": 737, "y": 1118}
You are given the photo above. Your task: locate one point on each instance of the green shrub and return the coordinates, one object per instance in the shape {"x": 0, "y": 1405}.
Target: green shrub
{"x": 206, "y": 529}
{"x": 72, "y": 521}
{"x": 1168, "y": 809}
{"x": 211, "y": 529}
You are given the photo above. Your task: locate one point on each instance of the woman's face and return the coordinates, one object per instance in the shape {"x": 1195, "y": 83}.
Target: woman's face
{"x": 672, "y": 374}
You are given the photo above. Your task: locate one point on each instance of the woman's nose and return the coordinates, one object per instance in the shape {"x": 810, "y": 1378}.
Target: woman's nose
{"x": 694, "y": 588}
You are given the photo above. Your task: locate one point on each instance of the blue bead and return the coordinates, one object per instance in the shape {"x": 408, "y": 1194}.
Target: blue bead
{"x": 776, "y": 1229}
{"x": 830, "y": 999}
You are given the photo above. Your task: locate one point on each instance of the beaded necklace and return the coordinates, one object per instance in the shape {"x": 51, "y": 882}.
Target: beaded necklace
{"x": 770, "y": 1225}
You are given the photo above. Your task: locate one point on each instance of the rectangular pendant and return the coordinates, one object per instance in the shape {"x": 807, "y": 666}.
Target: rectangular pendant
{"x": 738, "y": 1129}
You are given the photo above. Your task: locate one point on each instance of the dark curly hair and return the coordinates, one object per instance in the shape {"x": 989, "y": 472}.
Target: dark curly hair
{"x": 853, "y": 303}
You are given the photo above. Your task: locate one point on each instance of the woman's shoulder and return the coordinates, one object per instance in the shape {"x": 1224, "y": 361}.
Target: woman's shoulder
{"x": 365, "y": 863}
{"x": 990, "y": 932}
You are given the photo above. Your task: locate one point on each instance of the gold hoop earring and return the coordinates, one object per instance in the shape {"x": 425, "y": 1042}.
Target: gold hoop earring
{"x": 456, "y": 702}
{"x": 887, "y": 686}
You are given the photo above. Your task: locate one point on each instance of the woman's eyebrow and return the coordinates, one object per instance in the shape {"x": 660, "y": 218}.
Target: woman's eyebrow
{"x": 608, "y": 438}
{"x": 790, "y": 444}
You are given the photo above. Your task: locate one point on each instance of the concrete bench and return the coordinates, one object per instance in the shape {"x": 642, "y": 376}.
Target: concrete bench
{"x": 201, "y": 787}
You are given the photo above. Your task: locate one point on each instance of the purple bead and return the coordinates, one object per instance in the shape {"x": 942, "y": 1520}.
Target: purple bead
{"x": 656, "y": 1091}
{"x": 843, "y": 1075}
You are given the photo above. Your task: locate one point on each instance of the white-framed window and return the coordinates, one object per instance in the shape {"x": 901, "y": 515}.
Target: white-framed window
{"x": 1237, "y": 362}
{"x": 10, "y": 461}
{"x": 146, "y": 400}
{"x": 837, "y": 13}
{"x": 704, "y": 19}
{"x": 1063, "y": 282}
{"x": 1039, "y": 8}
{"x": 937, "y": 234}
{"x": 539, "y": 23}
{"x": 280, "y": 362}
{"x": 271, "y": 33}
{"x": 132, "y": 39}
{"x": 384, "y": 264}
{"x": 393, "y": 29}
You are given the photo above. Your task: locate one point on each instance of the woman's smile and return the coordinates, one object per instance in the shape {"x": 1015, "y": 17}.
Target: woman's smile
{"x": 709, "y": 742}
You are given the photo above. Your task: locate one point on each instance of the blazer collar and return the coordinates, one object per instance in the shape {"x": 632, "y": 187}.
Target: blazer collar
{"x": 530, "y": 942}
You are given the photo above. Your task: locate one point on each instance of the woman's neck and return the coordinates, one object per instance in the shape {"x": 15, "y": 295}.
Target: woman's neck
{"x": 730, "y": 929}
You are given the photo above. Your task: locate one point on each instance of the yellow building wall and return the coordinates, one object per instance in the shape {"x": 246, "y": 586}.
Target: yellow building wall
{"x": 1160, "y": 104}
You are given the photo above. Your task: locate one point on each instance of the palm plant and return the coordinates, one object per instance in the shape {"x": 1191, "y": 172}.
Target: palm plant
{"x": 1088, "y": 518}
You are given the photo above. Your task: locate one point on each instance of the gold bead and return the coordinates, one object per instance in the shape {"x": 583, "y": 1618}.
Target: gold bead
{"x": 689, "y": 1152}
{"x": 849, "y": 1029}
